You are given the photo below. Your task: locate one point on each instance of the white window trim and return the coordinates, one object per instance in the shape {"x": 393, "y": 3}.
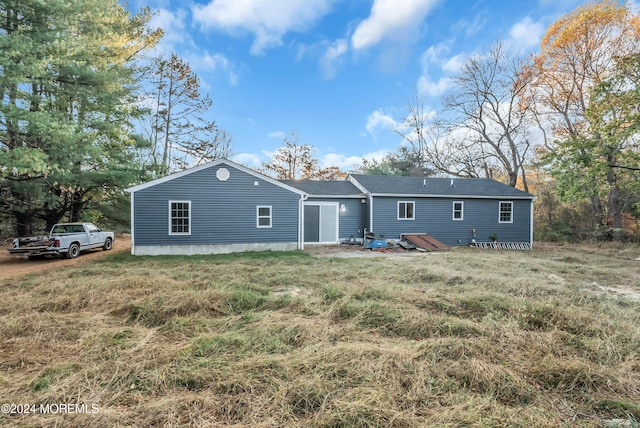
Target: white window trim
{"x": 189, "y": 218}
{"x": 258, "y": 217}
{"x": 405, "y": 210}
{"x": 500, "y": 211}
{"x": 453, "y": 213}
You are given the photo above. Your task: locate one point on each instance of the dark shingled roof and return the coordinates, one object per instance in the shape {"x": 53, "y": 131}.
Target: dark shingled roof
{"x": 325, "y": 188}
{"x": 470, "y": 187}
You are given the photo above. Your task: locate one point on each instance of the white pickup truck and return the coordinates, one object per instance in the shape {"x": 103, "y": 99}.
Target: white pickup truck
{"x": 67, "y": 239}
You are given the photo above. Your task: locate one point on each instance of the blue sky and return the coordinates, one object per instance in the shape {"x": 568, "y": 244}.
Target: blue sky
{"x": 339, "y": 73}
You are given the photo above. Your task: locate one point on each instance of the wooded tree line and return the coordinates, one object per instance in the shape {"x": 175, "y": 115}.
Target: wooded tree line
{"x": 562, "y": 124}
{"x": 86, "y": 112}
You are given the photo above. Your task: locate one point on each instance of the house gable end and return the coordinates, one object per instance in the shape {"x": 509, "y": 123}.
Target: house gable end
{"x": 212, "y": 164}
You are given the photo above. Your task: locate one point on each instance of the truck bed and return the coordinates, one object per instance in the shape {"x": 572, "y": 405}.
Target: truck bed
{"x": 31, "y": 244}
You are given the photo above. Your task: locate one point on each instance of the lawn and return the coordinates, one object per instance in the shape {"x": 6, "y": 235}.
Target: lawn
{"x": 548, "y": 337}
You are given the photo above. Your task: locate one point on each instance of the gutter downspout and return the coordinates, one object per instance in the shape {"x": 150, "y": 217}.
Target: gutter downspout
{"x": 371, "y": 213}
{"x": 303, "y": 198}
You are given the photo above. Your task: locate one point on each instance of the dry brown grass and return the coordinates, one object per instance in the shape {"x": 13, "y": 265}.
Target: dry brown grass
{"x": 468, "y": 338}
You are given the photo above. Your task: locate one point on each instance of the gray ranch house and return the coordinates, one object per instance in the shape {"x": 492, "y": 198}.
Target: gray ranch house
{"x": 222, "y": 207}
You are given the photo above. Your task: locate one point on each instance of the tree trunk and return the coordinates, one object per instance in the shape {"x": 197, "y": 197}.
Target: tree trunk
{"x": 77, "y": 204}
{"x": 24, "y": 225}
{"x": 525, "y": 184}
{"x": 165, "y": 155}
{"x": 615, "y": 211}
{"x": 614, "y": 204}
{"x": 51, "y": 219}
{"x": 598, "y": 214}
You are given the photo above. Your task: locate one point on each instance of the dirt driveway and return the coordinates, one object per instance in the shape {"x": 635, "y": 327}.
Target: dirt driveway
{"x": 12, "y": 266}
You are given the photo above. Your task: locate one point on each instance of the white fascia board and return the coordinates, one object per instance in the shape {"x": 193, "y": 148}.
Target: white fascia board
{"x": 210, "y": 165}
{"x": 337, "y": 196}
{"x": 402, "y": 195}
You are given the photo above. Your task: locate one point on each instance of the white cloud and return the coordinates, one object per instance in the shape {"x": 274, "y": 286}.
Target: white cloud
{"x": 173, "y": 26}
{"x": 470, "y": 28}
{"x": 332, "y": 58}
{"x": 345, "y": 163}
{"x": 302, "y": 50}
{"x": 525, "y": 34}
{"x": 455, "y": 63}
{"x": 379, "y": 121}
{"x": 350, "y": 163}
{"x": 177, "y": 39}
{"x": 354, "y": 162}
{"x": 248, "y": 159}
{"x": 377, "y": 155}
{"x": 433, "y": 88}
{"x": 215, "y": 62}
{"x": 168, "y": 21}
{"x": 389, "y": 20}
{"x": 435, "y": 61}
{"x": 277, "y": 134}
{"x": 268, "y": 21}
{"x": 330, "y": 55}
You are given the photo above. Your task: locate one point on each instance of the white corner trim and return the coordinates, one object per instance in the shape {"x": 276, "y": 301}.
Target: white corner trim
{"x": 133, "y": 228}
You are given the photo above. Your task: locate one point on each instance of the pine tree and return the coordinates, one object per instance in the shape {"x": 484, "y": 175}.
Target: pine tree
{"x": 67, "y": 81}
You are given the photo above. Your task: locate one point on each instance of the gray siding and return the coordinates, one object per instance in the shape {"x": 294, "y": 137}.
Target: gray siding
{"x": 222, "y": 212}
{"x": 352, "y": 221}
{"x": 435, "y": 217}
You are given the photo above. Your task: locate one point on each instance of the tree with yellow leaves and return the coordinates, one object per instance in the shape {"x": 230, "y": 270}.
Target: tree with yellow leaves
{"x": 581, "y": 86}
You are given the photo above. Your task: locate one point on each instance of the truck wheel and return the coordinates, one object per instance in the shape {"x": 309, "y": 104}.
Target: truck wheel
{"x": 108, "y": 244}
{"x": 74, "y": 251}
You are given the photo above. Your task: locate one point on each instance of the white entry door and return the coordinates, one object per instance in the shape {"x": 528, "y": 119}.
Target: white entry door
{"x": 321, "y": 222}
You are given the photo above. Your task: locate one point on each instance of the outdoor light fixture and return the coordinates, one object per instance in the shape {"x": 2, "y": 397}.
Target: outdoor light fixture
{"x": 343, "y": 208}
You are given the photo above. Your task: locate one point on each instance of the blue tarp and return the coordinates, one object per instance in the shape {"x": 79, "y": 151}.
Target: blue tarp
{"x": 377, "y": 243}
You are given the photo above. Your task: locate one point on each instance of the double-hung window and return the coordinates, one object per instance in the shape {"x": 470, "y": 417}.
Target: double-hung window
{"x": 406, "y": 210}
{"x": 458, "y": 210}
{"x": 506, "y": 212}
{"x": 179, "y": 217}
{"x": 263, "y": 216}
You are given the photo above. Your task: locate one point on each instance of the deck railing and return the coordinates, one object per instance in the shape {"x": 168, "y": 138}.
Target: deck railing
{"x": 504, "y": 245}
